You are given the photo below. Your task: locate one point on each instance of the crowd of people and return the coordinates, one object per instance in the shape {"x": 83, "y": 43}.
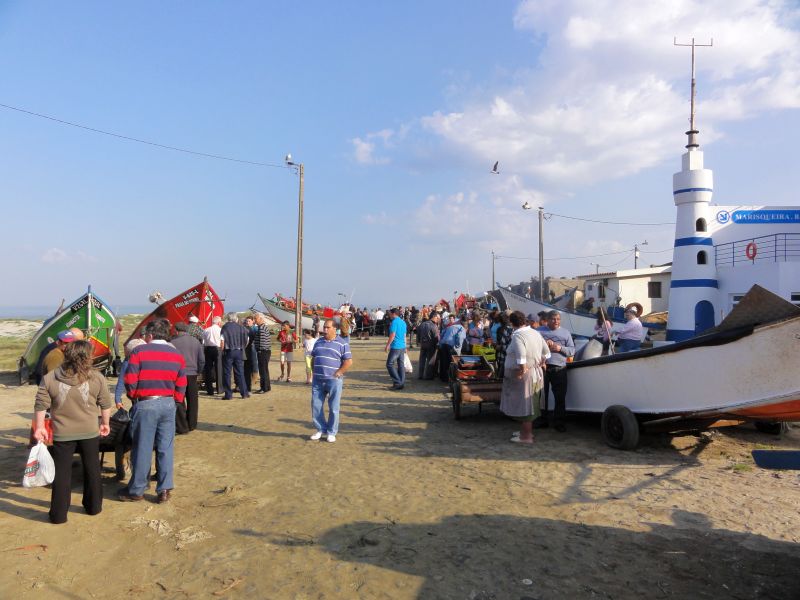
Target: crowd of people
{"x": 159, "y": 377}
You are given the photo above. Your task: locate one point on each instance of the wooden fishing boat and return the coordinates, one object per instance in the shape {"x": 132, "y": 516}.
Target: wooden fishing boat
{"x": 88, "y": 313}
{"x": 282, "y": 309}
{"x": 579, "y": 324}
{"x": 743, "y": 370}
{"x": 200, "y": 301}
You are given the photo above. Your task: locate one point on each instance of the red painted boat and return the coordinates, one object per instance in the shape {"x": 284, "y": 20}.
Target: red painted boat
{"x": 200, "y": 301}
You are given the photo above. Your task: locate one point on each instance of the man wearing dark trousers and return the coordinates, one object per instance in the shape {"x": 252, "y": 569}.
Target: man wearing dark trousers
{"x": 263, "y": 344}
{"x": 234, "y": 341}
{"x": 561, "y": 346}
{"x": 192, "y": 351}
{"x": 212, "y": 341}
{"x": 428, "y": 334}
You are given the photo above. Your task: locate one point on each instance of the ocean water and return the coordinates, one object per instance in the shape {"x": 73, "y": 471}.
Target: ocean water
{"x": 44, "y": 312}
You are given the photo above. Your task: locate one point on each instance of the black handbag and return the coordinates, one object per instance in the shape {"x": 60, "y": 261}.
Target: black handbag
{"x": 119, "y": 423}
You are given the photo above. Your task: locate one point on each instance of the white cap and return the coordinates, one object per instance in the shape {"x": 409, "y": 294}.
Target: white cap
{"x": 632, "y": 310}
{"x": 193, "y": 319}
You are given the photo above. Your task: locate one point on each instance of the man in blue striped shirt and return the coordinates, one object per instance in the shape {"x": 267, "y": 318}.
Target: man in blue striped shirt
{"x": 330, "y": 360}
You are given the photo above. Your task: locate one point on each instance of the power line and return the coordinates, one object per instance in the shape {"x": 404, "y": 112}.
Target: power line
{"x": 140, "y": 141}
{"x": 497, "y": 256}
{"x": 604, "y": 222}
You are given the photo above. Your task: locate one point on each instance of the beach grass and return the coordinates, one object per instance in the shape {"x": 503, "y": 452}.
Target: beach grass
{"x": 11, "y": 348}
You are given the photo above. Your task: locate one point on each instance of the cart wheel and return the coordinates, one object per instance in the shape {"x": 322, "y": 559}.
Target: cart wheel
{"x": 452, "y": 378}
{"x": 457, "y": 401}
{"x": 772, "y": 427}
{"x": 24, "y": 372}
{"x": 620, "y": 428}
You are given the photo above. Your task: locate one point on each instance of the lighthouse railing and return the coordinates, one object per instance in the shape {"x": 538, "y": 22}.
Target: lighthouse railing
{"x": 778, "y": 247}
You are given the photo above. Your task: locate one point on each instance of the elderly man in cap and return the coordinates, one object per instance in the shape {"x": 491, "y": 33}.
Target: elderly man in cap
{"x": 630, "y": 336}
{"x": 194, "y": 329}
{"x": 39, "y": 370}
{"x": 559, "y": 342}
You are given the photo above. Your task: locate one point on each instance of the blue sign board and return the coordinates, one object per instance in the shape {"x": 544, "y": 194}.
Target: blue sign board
{"x": 763, "y": 217}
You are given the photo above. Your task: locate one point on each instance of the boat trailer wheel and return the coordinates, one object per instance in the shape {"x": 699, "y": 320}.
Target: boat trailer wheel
{"x": 620, "y": 428}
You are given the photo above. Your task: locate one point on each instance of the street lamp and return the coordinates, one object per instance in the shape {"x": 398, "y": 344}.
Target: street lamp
{"x": 597, "y": 267}
{"x": 298, "y": 295}
{"x": 636, "y": 253}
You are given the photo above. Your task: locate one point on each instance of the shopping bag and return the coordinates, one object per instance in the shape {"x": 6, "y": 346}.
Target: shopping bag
{"x": 118, "y": 425}
{"x": 407, "y": 363}
{"x": 40, "y": 469}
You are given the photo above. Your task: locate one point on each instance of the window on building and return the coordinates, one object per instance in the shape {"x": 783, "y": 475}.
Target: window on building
{"x": 702, "y": 258}
{"x": 601, "y": 291}
{"x": 654, "y": 289}
{"x": 796, "y": 299}
{"x": 700, "y": 225}
{"x": 735, "y": 299}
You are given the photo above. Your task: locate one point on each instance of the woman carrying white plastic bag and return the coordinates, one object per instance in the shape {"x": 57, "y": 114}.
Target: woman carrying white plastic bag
{"x": 75, "y": 394}
{"x": 40, "y": 469}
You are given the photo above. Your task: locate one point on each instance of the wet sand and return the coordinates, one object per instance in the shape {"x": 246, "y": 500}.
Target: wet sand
{"x": 409, "y": 503}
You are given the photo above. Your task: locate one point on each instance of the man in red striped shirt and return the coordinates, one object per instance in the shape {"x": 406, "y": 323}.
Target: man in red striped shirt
{"x": 155, "y": 381}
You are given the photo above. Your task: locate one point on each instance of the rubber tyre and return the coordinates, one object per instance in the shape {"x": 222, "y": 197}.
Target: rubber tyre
{"x": 457, "y": 401}
{"x": 24, "y": 372}
{"x": 620, "y": 428}
{"x": 772, "y": 427}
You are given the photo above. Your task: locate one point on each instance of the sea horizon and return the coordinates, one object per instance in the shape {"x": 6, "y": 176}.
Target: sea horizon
{"x": 32, "y": 312}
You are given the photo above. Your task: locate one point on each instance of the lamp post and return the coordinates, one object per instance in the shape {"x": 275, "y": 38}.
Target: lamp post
{"x": 494, "y": 256}
{"x": 636, "y": 254}
{"x": 298, "y": 296}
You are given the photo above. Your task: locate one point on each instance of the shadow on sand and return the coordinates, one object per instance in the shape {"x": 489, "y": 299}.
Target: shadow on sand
{"x": 505, "y": 556}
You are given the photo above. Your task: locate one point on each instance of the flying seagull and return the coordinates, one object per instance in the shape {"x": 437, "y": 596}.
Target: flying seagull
{"x": 495, "y": 170}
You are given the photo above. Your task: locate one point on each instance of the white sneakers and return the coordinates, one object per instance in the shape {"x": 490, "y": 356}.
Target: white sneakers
{"x": 316, "y": 436}
{"x": 331, "y": 438}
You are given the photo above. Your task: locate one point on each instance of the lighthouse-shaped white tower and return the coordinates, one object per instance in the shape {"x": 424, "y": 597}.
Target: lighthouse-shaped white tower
{"x": 693, "y": 297}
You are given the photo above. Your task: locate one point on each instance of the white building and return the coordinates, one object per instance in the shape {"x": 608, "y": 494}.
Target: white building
{"x": 722, "y": 251}
{"x": 649, "y": 287}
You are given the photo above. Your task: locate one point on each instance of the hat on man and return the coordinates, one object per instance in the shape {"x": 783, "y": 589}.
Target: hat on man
{"x": 193, "y": 319}
{"x": 67, "y": 336}
{"x": 632, "y": 310}
{"x": 532, "y": 317}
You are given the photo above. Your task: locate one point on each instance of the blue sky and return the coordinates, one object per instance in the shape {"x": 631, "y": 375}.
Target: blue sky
{"x": 398, "y": 111}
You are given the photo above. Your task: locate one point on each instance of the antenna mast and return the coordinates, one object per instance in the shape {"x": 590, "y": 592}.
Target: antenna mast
{"x": 692, "y": 133}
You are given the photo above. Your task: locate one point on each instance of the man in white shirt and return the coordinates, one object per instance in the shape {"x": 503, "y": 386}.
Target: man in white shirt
{"x": 212, "y": 342}
{"x": 630, "y": 336}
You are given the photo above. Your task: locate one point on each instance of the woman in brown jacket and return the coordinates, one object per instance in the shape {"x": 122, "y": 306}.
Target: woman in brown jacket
{"x": 73, "y": 393}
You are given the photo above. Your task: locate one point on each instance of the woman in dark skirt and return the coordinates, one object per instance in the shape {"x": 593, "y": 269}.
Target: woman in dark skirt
{"x": 503, "y": 340}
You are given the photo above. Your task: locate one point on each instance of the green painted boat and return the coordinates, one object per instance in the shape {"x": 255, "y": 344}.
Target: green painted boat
{"x": 88, "y": 313}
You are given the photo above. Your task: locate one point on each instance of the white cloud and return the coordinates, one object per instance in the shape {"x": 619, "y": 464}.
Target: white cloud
{"x": 382, "y": 218}
{"x": 609, "y": 96}
{"x": 364, "y": 148}
{"x": 55, "y": 256}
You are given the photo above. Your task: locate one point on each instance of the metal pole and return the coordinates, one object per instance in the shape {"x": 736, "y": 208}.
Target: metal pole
{"x": 636, "y": 256}
{"x": 491, "y": 287}
{"x": 541, "y": 253}
{"x": 298, "y": 296}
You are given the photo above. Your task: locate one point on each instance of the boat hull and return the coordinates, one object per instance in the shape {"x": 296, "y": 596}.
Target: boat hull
{"x": 747, "y": 374}
{"x": 581, "y": 325}
{"x": 200, "y": 301}
{"x": 281, "y": 314}
{"x": 88, "y": 313}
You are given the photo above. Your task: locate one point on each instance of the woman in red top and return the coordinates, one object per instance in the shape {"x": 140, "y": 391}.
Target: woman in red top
{"x": 287, "y": 339}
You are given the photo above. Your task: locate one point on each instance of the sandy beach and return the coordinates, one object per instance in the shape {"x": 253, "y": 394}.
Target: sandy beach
{"x": 409, "y": 503}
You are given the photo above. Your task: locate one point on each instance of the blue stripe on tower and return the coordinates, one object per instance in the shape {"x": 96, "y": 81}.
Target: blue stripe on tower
{"x": 694, "y": 241}
{"x": 686, "y": 190}
{"x": 690, "y": 283}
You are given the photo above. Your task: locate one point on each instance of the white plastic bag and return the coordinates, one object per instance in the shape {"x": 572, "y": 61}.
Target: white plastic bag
{"x": 40, "y": 470}
{"x": 407, "y": 364}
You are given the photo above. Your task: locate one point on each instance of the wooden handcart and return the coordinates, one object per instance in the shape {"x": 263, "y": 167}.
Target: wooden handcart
{"x": 473, "y": 381}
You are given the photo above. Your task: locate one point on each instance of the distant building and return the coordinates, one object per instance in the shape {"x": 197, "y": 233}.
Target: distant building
{"x": 649, "y": 287}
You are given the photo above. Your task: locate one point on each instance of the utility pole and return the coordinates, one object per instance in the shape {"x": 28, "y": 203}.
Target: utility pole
{"x": 541, "y": 253}
{"x": 491, "y": 287}
{"x": 298, "y": 295}
{"x": 636, "y": 254}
